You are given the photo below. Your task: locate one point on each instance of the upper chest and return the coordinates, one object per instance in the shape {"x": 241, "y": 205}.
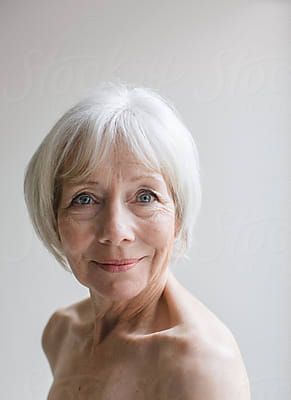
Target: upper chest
{"x": 131, "y": 371}
{"x": 139, "y": 370}
{"x": 119, "y": 384}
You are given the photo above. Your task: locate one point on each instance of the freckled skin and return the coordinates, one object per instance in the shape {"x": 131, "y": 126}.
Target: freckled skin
{"x": 126, "y": 340}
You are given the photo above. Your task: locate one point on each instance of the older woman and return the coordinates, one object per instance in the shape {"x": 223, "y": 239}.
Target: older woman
{"x": 113, "y": 192}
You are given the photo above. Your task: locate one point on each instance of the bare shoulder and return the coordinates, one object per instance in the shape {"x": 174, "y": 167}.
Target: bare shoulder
{"x": 197, "y": 367}
{"x": 57, "y": 328}
{"x": 202, "y": 359}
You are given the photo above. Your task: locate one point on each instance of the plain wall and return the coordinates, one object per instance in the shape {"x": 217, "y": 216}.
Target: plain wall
{"x": 226, "y": 66}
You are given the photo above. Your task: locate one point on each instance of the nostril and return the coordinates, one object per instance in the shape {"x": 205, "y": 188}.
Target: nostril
{"x": 116, "y": 237}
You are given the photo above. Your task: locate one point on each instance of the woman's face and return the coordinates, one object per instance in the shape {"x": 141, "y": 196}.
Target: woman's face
{"x": 123, "y": 211}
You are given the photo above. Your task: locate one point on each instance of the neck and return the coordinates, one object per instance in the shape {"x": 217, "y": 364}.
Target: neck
{"x": 142, "y": 314}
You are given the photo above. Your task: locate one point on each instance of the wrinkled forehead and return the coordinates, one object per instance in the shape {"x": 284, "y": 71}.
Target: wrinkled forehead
{"x": 118, "y": 161}
{"x": 122, "y": 164}
{"x": 122, "y": 156}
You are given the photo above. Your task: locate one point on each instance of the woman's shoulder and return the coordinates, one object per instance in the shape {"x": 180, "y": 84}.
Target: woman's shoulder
{"x": 200, "y": 348}
{"x": 52, "y": 337}
{"x": 195, "y": 368}
{"x": 197, "y": 332}
{"x": 187, "y": 342}
{"x": 196, "y": 323}
{"x": 58, "y": 326}
{"x": 61, "y": 319}
{"x": 200, "y": 366}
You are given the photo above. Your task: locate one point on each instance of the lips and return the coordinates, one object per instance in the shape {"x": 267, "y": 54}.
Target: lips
{"x": 118, "y": 265}
{"x": 119, "y": 262}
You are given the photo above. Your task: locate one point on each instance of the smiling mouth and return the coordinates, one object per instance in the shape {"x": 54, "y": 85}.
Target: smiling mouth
{"x": 118, "y": 265}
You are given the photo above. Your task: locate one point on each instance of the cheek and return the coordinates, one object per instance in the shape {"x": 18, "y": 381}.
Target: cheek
{"x": 74, "y": 237}
{"x": 159, "y": 231}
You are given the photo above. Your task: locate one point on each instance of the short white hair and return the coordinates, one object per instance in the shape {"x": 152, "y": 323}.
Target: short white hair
{"x": 83, "y": 137}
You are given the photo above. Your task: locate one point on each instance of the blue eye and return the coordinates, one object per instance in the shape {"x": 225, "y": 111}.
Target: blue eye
{"x": 83, "y": 199}
{"x": 147, "y": 195}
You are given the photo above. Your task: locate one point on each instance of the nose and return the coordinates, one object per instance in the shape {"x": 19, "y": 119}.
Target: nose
{"x": 115, "y": 225}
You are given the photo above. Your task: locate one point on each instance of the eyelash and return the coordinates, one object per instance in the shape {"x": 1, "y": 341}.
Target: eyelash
{"x": 144, "y": 191}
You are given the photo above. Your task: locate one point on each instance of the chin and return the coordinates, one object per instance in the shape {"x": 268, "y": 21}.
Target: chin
{"x": 124, "y": 291}
{"x": 119, "y": 289}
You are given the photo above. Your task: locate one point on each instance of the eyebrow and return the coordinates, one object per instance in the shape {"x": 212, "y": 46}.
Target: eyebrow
{"x": 151, "y": 176}
{"x": 134, "y": 179}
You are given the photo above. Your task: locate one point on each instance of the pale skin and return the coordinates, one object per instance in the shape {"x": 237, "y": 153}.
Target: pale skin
{"x": 140, "y": 335}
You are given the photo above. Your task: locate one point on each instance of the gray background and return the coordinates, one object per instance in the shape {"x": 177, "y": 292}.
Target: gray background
{"x": 226, "y": 66}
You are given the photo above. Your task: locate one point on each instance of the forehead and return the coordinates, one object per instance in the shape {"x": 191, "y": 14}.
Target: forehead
{"x": 123, "y": 160}
{"x": 125, "y": 166}
{"x": 119, "y": 164}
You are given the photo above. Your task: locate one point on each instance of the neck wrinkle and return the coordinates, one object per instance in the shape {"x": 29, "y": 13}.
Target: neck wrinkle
{"x": 133, "y": 317}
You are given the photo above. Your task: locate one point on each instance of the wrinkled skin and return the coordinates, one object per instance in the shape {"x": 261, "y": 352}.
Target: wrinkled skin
{"x": 140, "y": 328}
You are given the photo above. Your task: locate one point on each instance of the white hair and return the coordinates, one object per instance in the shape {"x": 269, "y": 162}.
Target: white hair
{"x": 83, "y": 137}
